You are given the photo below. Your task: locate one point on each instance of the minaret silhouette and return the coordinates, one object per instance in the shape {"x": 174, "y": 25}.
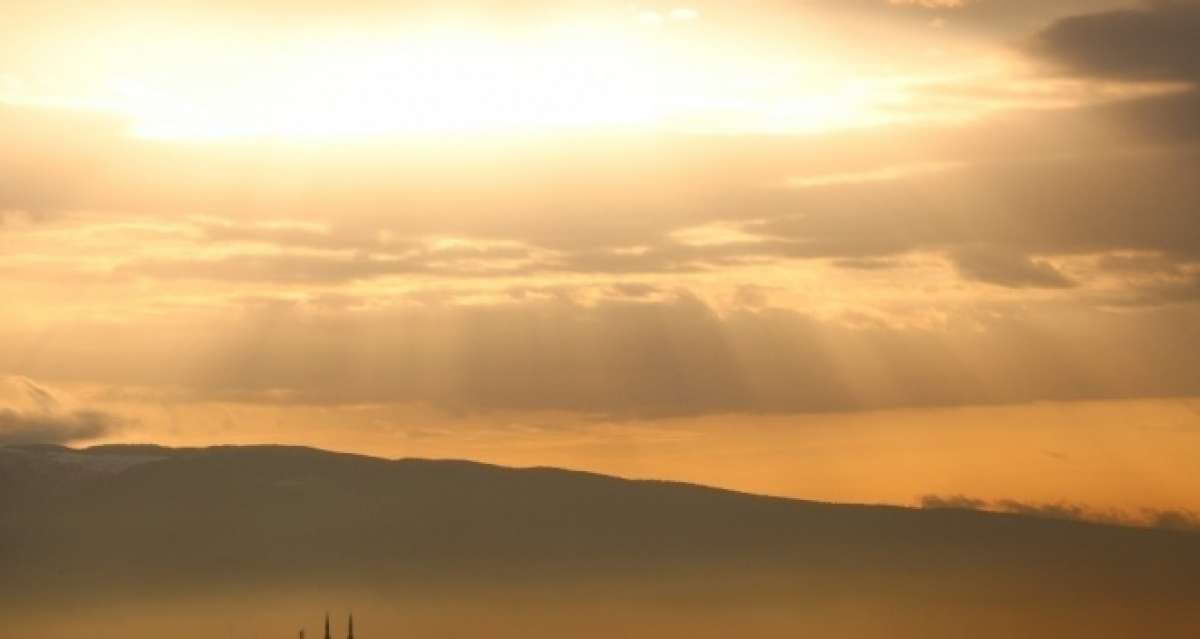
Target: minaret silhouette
{"x": 351, "y": 635}
{"x": 327, "y": 626}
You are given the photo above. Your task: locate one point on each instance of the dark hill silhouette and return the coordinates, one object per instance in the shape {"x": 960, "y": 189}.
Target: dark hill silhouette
{"x": 121, "y": 523}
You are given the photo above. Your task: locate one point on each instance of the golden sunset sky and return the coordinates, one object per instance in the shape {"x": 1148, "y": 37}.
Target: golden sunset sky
{"x": 852, "y": 250}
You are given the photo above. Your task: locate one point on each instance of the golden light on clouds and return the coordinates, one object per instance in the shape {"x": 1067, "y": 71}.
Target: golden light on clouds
{"x": 930, "y": 254}
{"x": 643, "y": 217}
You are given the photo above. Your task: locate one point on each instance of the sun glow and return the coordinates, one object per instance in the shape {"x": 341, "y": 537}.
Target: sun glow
{"x": 447, "y": 81}
{"x": 474, "y": 78}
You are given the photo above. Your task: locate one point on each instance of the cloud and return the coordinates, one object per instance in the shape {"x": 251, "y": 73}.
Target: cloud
{"x": 932, "y": 4}
{"x": 1165, "y": 119}
{"x": 1160, "y": 41}
{"x": 631, "y": 351}
{"x": 1174, "y": 519}
{"x": 1178, "y": 288}
{"x": 1001, "y": 268}
{"x": 40, "y": 428}
{"x": 308, "y": 236}
{"x": 1074, "y": 204}
{"x": 958, "y": 502}
{"x": 868, "y": 264}
{"x": 338, "y": 217}
{"x": 1146, "y": 517}
{"x": 34, "y": 414}
{"x": 583, "y": 285}
{"x": 42, "y": 397}
{"x": 1062, "y": 510}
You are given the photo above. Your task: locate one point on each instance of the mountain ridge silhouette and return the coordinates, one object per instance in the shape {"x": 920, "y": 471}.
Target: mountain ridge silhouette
{"x": 134, "y": 523}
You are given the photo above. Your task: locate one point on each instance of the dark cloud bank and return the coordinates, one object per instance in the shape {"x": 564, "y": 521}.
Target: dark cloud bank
{"x": 1166, "y": 519}
{"x": 1159, "y": 41}
{"x": 43, "y": 419}
{"x": 17, "y": 427}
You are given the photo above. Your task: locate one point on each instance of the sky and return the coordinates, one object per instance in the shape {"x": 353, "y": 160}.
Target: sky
{"x": 854, "y": 250}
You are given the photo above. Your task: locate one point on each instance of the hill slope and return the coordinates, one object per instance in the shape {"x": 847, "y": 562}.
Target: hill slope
{"x": 117, "y": 524}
